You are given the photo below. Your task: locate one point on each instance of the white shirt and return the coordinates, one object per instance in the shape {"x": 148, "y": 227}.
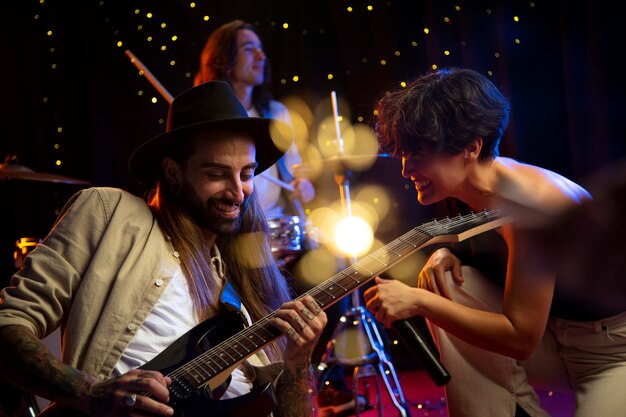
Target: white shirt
{"x": 171, "y": 317}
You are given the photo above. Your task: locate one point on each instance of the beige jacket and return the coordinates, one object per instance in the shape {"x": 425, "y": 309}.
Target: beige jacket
{"x": 97, "y": 275}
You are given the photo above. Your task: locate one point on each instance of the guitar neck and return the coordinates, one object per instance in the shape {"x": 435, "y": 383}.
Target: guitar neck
{"x": 381, "y": 260}
{"x": 253, "y": 338}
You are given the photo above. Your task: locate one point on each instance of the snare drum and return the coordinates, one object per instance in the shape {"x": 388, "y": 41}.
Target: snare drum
{"x": 286, "y": 236}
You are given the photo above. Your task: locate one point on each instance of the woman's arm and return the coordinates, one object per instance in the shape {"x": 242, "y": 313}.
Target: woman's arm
{"x": 515, "y": 332}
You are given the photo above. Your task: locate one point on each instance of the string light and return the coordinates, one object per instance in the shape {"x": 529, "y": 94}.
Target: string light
{"x": 165, "y": 38}
{"x": 304, "y": 31}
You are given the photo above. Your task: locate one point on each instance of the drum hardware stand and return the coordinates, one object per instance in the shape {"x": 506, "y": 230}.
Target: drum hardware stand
{"x": 370, "y": 358}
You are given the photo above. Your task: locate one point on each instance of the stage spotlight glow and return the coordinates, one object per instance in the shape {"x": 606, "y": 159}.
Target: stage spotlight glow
{"x": 353, "y": 236}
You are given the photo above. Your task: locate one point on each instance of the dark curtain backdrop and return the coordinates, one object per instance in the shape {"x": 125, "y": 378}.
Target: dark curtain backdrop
{"x": 71, "y": 95}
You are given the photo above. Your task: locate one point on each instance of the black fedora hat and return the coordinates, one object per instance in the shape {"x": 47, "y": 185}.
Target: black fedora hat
{"x": 207, "y": 107}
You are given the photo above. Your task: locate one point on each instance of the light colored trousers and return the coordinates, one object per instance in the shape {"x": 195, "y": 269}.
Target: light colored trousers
{"x": 588, "y": 357}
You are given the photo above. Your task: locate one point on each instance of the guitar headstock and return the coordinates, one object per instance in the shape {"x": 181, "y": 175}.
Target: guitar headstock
{"x": 461, "y": 227}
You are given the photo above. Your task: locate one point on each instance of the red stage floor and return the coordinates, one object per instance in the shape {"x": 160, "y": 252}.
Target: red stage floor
{"x": 426, "y": 399}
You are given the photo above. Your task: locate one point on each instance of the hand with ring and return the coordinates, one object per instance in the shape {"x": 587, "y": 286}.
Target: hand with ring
{"x": 140, "y": 390}
{"x": 130, "y": 400}
{"x": 302, "y": 321}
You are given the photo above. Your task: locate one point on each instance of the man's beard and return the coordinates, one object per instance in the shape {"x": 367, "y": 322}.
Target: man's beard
{"x": 205, "y": 213}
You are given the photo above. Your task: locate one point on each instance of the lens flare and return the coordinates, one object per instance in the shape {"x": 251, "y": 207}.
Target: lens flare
{"x": 353, "y": 236}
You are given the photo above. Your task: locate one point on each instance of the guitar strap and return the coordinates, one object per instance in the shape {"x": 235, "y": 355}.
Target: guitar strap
{"x": 229, "y": 297}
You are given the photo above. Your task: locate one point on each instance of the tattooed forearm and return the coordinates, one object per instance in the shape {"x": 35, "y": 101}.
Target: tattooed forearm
{"x": 295, "y": 393}
{"x": 28, "y": 364}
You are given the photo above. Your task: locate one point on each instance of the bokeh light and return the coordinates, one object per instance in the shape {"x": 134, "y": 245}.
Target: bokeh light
{"x": 407, "y": 271}
{"x": 315, "y": 267}
{"x": 301, "y": 120}
{"x": 282, "y": 135}
{"x": 376, "y": 196}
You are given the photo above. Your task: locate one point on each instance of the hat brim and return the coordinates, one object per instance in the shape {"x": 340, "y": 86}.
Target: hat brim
{"x": 145, "y": 162}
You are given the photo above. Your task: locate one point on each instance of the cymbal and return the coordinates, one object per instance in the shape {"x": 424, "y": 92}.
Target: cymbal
{"x": 355, "y": 162}
{"x": 14, "y": 171}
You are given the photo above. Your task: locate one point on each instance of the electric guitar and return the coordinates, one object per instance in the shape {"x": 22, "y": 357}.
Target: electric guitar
{"x": 201, "y": 361}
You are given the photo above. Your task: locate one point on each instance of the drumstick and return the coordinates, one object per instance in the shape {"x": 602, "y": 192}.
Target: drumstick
{"x": 149, "y": 76}
{"x": 333, "y": 100}
{"x": 283, "y": 184}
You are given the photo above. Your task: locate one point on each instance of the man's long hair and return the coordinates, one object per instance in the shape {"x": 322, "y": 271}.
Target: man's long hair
{"x": 250, "y": 267}
{"x": 218, "y": 58}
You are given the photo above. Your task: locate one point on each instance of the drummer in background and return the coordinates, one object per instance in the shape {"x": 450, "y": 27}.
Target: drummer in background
{"x": 234, "y": 53}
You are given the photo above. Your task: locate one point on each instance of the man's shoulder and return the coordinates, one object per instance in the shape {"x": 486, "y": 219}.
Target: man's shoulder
{"x": 117, "y": 192}
{"x": 110, "y": 193}
{"x": 110, "y": 197}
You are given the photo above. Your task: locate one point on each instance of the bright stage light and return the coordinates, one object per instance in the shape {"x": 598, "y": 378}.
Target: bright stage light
{"x": 353, "y": 236}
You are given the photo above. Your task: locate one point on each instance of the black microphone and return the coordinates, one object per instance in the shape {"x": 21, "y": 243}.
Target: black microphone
{"x": 422, "y": 351}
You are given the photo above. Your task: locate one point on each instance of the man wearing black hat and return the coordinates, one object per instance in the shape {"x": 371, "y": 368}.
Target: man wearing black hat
{"x": 171, "y": 304}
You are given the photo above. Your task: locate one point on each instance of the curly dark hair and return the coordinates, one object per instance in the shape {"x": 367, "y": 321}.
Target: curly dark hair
{"x": 218, "y": 58}
{"x": 442, "y": 112}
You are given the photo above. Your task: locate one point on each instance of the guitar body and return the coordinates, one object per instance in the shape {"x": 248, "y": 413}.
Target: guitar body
{"x": 204, "y": 401}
